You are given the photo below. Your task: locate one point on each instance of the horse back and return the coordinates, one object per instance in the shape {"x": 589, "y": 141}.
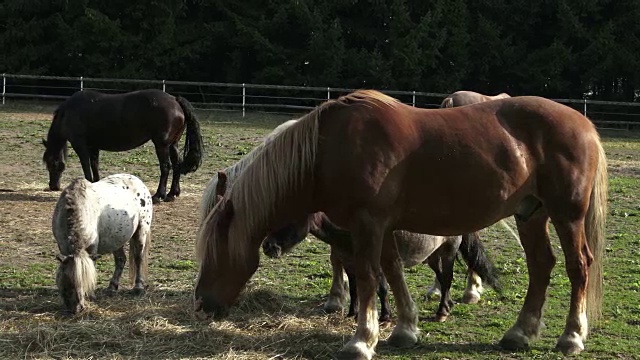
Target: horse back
{"x": 396, "y": 159}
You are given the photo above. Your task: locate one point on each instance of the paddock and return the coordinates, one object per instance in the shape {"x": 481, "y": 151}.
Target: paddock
{"x": 280, "y": 315}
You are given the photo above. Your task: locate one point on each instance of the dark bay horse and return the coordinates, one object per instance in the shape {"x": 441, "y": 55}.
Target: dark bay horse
{"x": 375, "y": 165}
{"x": 92, "y": 121}
{"x": 439, "y": 252}
{"x": 465, "y": 97}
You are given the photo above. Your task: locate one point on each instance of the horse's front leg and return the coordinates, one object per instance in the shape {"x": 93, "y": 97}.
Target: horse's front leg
{"x": 120, "y": 259}
{"x": 94, "y": 156}
{"x": 367, "y": 241}
{"x": 176, "y": 162}
{"x": 162, "y": 151}
{"x": 337, "y": 294}
{"x": 85, "y": 160}
{"x": 406, "y": 329}
{"x": 441, "y": 262}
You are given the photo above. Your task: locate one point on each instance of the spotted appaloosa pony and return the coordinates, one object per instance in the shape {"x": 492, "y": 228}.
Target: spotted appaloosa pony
{"x": 438, "y": 252}
{"x": 92, "y": 121}
{"x": 464, "y": 97}
{"x": 91, "y": 219}
{"x": 368, "y": 162}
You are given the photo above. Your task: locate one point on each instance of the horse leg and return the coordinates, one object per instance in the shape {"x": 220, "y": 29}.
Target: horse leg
{"x": 138, "y": 252}
{"x": 337, "y": 295}
{"x": 165, "y": 165}
{"x": 442, "y": 262}
{"x": 353, "y": 293}
{"x": 534, "y": 236}
{"x": 174, "y": 155}
{"x": 367, "y": 235}
{"x": 434, "y": 291}
{"x": 406, "y": 329}
{"x": 85, "y": 160}
{"x": 577, "y": 260}
{"x": 383, "y": 295}
{"x": 94, "y": 156}
{"x": 120, "y": 259}
{"x": 474, "y": 288}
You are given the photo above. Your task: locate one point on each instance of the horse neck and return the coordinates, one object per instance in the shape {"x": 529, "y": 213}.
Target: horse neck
{"x": 55, "y": 139}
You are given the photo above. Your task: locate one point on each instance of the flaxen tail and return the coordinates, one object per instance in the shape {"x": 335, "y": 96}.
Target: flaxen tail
{"x": 594, "y": 230}
{"x": 192, "y": 157}
{"x": 447, "y": 103}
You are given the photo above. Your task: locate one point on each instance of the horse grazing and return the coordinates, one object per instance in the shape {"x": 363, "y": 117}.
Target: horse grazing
{"x": 463, "y": 97}
{"x": 92, "y": 121}
{"x": 374, "y": 165}
{"x": 438, "y": 252}
{"x": 99, "y": 218}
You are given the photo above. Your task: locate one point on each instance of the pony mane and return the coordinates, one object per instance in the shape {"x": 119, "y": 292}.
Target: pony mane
{"x": 265, "y": 184}
{"x": 74, "y": 197}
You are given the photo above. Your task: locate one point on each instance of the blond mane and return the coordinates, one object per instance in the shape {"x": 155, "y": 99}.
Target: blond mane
{"x": 278, "y": 172}
{"x": 74, "y": 200}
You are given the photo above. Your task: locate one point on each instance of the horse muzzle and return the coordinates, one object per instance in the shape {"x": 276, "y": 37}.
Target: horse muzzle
{"x": 209, "y": 309}
{"x": 272, "y": 250}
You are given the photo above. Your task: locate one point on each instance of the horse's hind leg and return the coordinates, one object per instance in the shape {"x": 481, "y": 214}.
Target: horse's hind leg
{"x": 139, "y": 253}
{"x": 337, "y": 294}
{"x": 435, "y": 289}
{"x": 162, "y": 151}
{"x": 474, "y": 288}
{"x": 120, "y": 259}
{"x": 577, "y": 258}
{"x": 534, "y": 235}
{"x": 174, "y": 155}
{"x": 383, "y": 295}
{"x": 442, "y": 262}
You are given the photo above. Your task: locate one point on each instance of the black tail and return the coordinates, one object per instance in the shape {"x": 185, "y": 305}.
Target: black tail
{"x": 192, "y": 157}
{"x": 476, "y": 258}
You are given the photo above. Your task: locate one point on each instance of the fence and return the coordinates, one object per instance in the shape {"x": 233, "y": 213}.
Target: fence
{"x": 270, "y": 98}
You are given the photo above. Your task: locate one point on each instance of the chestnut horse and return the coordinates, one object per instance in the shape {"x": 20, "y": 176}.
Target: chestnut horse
{"x": 370, "y": 163}
{"x": 465, "y": 97}
{"x": 92, "y": 121}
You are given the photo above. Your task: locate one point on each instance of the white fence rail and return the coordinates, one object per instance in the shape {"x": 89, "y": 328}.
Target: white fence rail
{"x": 269, "y": 98}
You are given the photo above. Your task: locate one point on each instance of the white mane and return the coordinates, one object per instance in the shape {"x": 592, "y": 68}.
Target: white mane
{"x": 208, "y": 197}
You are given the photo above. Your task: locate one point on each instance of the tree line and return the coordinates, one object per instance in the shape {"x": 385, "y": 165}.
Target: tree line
{"x": 552, "y": 48}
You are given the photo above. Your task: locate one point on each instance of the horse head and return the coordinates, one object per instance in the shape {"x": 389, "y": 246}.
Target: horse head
{"x": 54, "y": 157}
{"x": 284, "y": 239}
{"x": 69, "y": 287}
{"x": 222, "y": 275}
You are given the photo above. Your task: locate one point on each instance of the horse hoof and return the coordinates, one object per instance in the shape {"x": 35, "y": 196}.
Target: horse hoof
{"x": 332, "y": 306}
{"x": 157, "y": 199}
{"x": 91, "y": 298}
{"x": 471, "y": 297}
{"x": 138, "y": 291}
{"x": 110, "y": 291}
{"x": 569, "y": 344}
{"x": 170, "y": 198}
{"x": 514, "y": 342}
{"x": 440, "y": 318}
{"x": 354, "y": 352}
{"x": 402, "y": 339}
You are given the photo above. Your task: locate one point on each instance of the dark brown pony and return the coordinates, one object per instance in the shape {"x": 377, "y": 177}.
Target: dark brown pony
{"x": 375, "y": 165}
{"x": 439, "y": 252}
{"x": 92, "y": 121}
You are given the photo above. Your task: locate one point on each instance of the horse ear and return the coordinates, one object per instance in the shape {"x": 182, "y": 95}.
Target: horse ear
{"x": 221, "y": 186}
{"x": 44, "y": 142}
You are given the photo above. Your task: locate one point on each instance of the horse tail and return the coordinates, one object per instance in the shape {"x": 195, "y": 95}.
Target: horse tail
{"x": 192, "y": 157}
{"x": 144, "y": 257}
{"x": 594, "y": 231}
{"x": 515, "y": 235}
{"x": 447, "y": 103}
{"x": 475, "y": 256}
{"x": 85, "y": 272}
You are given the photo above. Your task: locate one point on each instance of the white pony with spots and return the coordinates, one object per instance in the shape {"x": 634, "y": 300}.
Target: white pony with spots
{"x": 208, "y": 200}
{"x": 91, "y": 219}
